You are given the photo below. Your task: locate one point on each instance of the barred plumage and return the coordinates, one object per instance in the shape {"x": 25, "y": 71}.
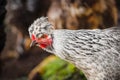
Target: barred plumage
{"x": 96, "y": 52}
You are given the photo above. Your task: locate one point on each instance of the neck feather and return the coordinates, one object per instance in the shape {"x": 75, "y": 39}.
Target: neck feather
{"x": 91, "y": 51}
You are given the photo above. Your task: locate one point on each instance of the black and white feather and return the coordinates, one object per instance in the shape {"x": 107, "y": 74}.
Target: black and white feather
{"x": 40, "y": 26}
{"x": 96, "y": 52}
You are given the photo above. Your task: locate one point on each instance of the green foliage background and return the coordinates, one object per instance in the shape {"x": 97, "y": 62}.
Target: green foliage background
{"x": 61, "y": 70}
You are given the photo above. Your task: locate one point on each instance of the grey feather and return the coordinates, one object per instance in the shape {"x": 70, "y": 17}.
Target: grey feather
{"x": 96, "y": 52}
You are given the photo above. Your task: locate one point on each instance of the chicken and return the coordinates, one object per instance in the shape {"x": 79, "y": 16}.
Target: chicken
{"x": 96, "y": 52}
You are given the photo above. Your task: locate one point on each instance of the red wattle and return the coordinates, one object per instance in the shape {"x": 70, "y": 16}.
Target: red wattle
{"x": 43, "y": 46}
{"x": 45, "y": 42}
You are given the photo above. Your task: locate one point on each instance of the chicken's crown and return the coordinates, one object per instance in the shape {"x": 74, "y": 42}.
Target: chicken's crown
{"x": 40, "y": 26}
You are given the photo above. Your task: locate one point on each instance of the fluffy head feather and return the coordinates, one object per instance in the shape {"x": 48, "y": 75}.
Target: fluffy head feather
{"x": 40, "y": 32}
{"x": 40, "y": 26}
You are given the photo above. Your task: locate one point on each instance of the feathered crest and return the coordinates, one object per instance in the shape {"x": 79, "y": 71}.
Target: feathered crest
{"x": 39, "y": 25}
{"x": 40, "y": 21}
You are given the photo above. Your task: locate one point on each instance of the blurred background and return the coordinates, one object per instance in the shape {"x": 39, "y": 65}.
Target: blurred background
{"x": 20, "y": 62}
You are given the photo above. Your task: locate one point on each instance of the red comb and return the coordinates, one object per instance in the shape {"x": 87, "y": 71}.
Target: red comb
{"x": 33, "y": 37}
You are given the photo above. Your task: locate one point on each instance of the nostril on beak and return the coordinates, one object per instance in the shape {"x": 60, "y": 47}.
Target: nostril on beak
{"x": 33, "y": 43}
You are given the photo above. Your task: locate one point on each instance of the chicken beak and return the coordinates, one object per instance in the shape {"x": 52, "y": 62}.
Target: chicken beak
{"x": 33, "y": 43}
